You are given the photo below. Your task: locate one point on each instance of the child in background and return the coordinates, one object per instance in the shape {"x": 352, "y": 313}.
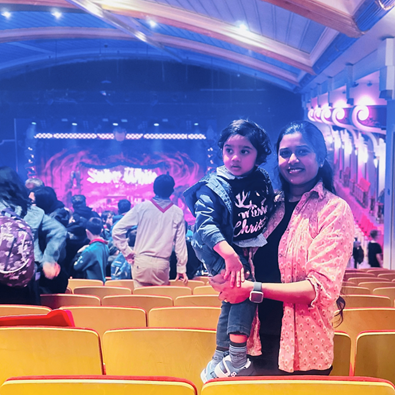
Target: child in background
{"x": 93, "y": 259}
{"x": 232, "y": 206}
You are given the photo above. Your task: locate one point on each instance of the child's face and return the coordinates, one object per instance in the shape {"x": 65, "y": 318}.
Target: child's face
{"x": 239, "y": 155}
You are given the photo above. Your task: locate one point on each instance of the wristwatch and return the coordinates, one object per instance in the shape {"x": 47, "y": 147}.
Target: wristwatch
{"x": 256, "y": 295}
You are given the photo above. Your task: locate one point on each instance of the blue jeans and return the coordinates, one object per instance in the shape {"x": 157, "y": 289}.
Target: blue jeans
{"x": 234, "y": 318}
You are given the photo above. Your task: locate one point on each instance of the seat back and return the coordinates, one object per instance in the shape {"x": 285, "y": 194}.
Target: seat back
{"x": 375, "y": 355}
{"x": 358, "y": 280}
{"x": 145, "y": 302}
{"x": 205, "y": 279}
{"x": 376, "y": 284}
{"x": 342, "y": 355}
{"x": 387, "y": 291}
{"x": 184, "y": 317}
{"x": 45, "y": 351}
{"x": 80, "y": 282}
{"x": 191, "y": 283}
{"x": 359, "y": 320}
{"x": 388, "y": 276}
{"x": 198, "y": 300}
{"x": 52, "y": 318}
{"x": 93, "y": 385}
{"x": 205, "y": 290}
{"x": 21, "y": 309}
{"x": 54, "y": 301}
{"x": 348, "y": 276}
{"x": 353, "y": 301}
{"x": 158, "y": 352}
{"x": 347, "y": 290}
{"x": 101, "y": 292}
{"x": 120, "y": 283}
{"x": 165, "y": 290}
{"x": 306, "y": 385}
{"x": 103, "y": 318}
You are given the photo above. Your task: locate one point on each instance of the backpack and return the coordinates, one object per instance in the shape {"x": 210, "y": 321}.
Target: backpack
{"x": 16, "y": 250}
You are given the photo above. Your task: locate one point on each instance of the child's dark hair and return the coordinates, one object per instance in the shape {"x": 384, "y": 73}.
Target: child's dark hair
{"x": 314, "y": 137}
{"x": 94, "y": 225}
{"x": 253, "y": 132}
{"x": 124, "y": 206}
{"x": 164, "y": 186}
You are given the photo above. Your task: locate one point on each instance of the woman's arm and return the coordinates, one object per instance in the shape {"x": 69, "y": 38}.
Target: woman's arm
{"x": 301, "y": 292}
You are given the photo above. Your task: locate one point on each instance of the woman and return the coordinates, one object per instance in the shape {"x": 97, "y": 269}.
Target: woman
{"x": 49, "y": 239}
{"x": 300, "y": 270}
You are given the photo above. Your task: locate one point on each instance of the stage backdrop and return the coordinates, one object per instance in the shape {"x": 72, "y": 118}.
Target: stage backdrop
{"x": 107, "y": 171}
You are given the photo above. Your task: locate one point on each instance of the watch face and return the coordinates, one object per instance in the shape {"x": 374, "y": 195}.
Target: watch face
{"x": 256, "y": 297}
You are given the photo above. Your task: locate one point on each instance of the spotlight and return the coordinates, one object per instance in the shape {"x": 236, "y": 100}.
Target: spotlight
{"x": 57, "y": 14}
{"x": 34, "y": 123}
{"x": 74, "y": 124}
{"x": 6, "y": 14}
{"x": 114, "y": 124}
{"x": 156, "y": 124}
{"x": 196, "y": 124}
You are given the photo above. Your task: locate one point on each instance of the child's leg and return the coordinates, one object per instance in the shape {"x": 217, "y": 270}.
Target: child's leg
{"x": 240, "y": 320}
{"x": 222, "y": 341}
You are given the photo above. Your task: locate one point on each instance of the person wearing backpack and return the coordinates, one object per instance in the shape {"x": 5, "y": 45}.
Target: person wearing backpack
{"x": 48, "y": 238}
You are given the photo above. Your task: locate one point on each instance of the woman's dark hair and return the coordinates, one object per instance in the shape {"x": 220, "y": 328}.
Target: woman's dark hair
{"x": 12, "y": 190}
{"x": 45, "y": 198}
{"x": 253, "y": 132}
{"x": 315, "y": 139}
{"x": 341, "y": 304}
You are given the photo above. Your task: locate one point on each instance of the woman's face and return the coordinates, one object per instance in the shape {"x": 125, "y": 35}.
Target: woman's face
{"x": 297, "y": 161}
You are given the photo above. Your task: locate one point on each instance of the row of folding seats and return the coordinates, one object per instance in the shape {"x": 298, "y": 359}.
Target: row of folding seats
{"x": 306, "y": 385}
{"x": 103, "y": 318}
{"x": 156, "y": 352}
{"x": 146, "y": 302}
{"x": 77, "y": 282}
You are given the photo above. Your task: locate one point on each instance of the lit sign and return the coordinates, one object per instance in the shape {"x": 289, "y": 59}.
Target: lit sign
{"x": 129, "y": 175}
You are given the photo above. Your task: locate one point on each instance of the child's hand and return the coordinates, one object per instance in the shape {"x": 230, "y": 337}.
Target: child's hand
{"x": 234, "y": 269}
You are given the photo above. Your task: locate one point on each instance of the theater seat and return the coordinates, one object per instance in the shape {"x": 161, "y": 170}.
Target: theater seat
{"x": 94, "y": 385}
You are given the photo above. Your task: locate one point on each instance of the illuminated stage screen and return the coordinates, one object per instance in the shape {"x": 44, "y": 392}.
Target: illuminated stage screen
{"x": 107, "y": 171}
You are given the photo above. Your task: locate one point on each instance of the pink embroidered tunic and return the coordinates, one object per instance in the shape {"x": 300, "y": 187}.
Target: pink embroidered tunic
{"x": 316, "y": 246}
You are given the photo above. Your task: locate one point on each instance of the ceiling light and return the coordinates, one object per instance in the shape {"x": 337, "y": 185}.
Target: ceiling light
{"x": 196, "y": 124}
{"x": 74, "y": 124}
{"x": 114, "y": 124}
{"x": 152, "y": 23}
{"x": 243, "y": 27}
{"x": 6, "y": 14}
{"x": 57, "y": 14}
{"x": 156, "y": 124}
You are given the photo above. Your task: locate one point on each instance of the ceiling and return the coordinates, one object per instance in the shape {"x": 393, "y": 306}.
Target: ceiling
{"x": 294, "y": 44}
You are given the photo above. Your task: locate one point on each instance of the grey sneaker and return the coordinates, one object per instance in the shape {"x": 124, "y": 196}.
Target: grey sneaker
{"x": 226, "y": 369}
{"x": 208, "y": 372}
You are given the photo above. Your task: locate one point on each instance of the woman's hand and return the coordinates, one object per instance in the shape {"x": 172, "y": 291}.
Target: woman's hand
{"x": 227, "y": 292}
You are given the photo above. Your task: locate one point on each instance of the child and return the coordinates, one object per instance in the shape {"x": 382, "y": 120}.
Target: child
{"x": 93, "y": 259}
{"x": 232, "y": 206}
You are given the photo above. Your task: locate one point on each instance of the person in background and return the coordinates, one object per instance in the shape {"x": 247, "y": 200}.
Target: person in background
{"x": 120, "y": 268}
{"x": 357, "y": 253}
{"x": 375, "y": 252}
{"x": 160, "y": 226}
{"x": 93, "y": 259}
{"x": 123, "y": 207}
{"x": 46, "y": 199}
{"x": 299, "y": 272}
{"x": 49, "y": 240}
{"x": 107, "y": 219}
